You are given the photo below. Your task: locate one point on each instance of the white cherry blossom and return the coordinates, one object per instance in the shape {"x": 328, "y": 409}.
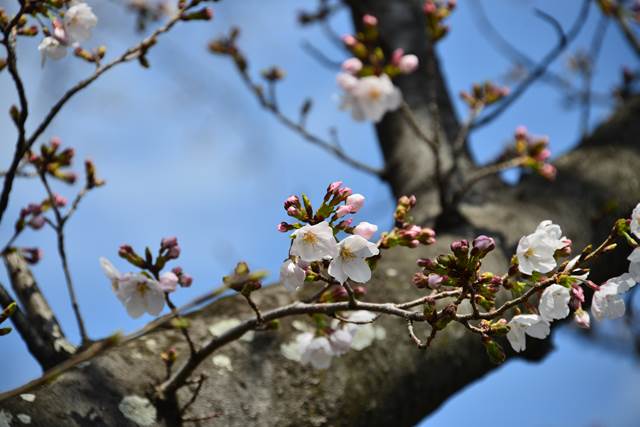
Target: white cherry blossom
{"x": 78, "y": 22}
{"x": 140, "y": 294}
{"x": 554, "y": 302}
{"x": 340, "y": 341}
{"x": 369, "y": 98}
{"x": 350, "y": 262}
{"x": 51, "y": 47}
{"x": 314, "y": 242}
{"x": 291, "y": 275}
{"x": 535, "y": 251}
{"x": 531, "y": 324}
{"x": 316, "y": 351}
{"x": 607, "y": 302}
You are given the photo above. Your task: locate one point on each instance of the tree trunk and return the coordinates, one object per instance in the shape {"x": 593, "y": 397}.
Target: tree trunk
{"x": 391, "y": 382}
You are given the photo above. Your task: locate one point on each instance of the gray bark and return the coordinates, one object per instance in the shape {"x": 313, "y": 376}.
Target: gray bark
{"x": 391, "y": 382}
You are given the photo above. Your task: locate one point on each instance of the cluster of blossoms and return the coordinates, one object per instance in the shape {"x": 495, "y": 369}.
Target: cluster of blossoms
{"x": 366, "y": 77}
{"x": 483, "y": 95}
{"x": 435, "y": 12}
{"x": 146, "y": 291}
{"x": 318, "y": 346}
{"x": 315, "y": 250}
{"x": 535, "y": 153}
{"x": 51, "y": 161}
{"x": 72, "y": 27}
{"x": 537, "y": 254}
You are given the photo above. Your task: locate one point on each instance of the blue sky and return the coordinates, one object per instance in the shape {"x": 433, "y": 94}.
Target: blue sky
{"x": 187, "y": 151}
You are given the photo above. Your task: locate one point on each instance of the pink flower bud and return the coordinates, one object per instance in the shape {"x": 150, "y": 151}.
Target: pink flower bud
{"x": 168, "y": 242}
{"x": 60, "y": 201}
{"x": 408, "y": 64}
{"x": 356, "y": 201}
{"x": 396, "y": 56}
{"x": 548, "y": 171}
{"x": 543, "y": 155}
{"x": 186, "y": 280}
{"x": 55, "y": 141}
{"x": 31, "y": 255}
{"x": 293, "y": 211}
{"x": 349, "y": 40}
{"x": 370, "y": 20}
{"x": 582, "y": 319}
{"x": 414, "y": 243}
{"x": 291, "y": 201}
{"x": 345, "y": 192}
{"x": 174, "y": 252}
{"x": 343, "y": 210}
{"x": 333, "y": 187}
{"x": 483, "y": 245}
{"x": 521, "y": 132}
{"x": 352, "y": 65}
{"x": 168, "y": 282}
{"x": 429, "y": 8}
{"x": 125, "y": 250}
{"x": 365, "y": 229}
{"x": 177, "y": 271}
{"x": 434, "y": 281}
{"x": 37, "y": 222}
{"x": 282, "y": 227}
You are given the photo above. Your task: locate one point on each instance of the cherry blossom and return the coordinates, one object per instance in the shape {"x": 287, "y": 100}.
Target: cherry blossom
{"x": 140, "y": 294}
{"x": 315, "y": 351}
{"x": 554, "y": 302}
{"x": 536, "y": 251}
{"x": 369, "y": 98}
{"x": 291, "y": 275}
{"x": 314, "y": 242}
{"x": 168, "y": 281}
{"x": 350, "y": 262}
{"x": 51, "y": 47}
{"x": 607, "y": 302}
{"x": 78, "y": 22}
{"x": 531, "y": 324}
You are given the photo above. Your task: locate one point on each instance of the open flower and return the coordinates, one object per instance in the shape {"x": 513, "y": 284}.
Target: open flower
{"x": 607, "y": 302}
{"x": 78, "y": 22}
{"x": 535, "y": 251}
{"x": 51, "y": 47}
{"x": 350, "y": 261}
{"x": 531, "y": 324}
{"x": 314, "y": 242}
{"x": 369, "y": 98}
{"x": 315, "y": 351}
{"x": 112, "y": 273}
{"x": 291, "y": 275}
{"x": 140, "y": 294}
{"x": 554, "y": 303}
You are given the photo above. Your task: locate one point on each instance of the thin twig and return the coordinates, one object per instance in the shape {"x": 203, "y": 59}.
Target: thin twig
{"x": 536, "y": 73}
{"x": 59, "y": 229}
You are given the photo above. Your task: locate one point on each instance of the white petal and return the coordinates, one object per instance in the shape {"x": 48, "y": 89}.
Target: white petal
{"x": 336, "y": 270}
{"x": 358, "y": 270}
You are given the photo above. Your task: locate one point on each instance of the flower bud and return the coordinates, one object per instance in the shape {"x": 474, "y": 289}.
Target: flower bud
{"x": 31, "y": 255}
{"x": 174, "y": 252}
{"x": 185, "y": 280}
{"x": 460, "y": 248}
{"x": 168, "y": 242}
{"x": 343, "y": 210}
{"x": 408, "y": 64}
{"x": 369, "y": 20}
{"x": 291, "y": 201}
{"x": 365, "y": 229}
{"x": 494, "y": 350}
{"x": 168, "y": 282}
{"x": 582, "y": 318}
{"x": 352, "y": 65}
{"x": 37, "y": 222}
{"x": 482, "y": 245}
{"x": 434, "y": 280}
{"x": 355, "y": 201}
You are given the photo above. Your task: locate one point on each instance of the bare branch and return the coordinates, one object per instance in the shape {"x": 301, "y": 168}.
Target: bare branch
{"x": 563, "y": 42}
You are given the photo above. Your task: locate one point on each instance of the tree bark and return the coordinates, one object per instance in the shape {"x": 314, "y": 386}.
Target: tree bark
{"x": 391, "y": 382}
